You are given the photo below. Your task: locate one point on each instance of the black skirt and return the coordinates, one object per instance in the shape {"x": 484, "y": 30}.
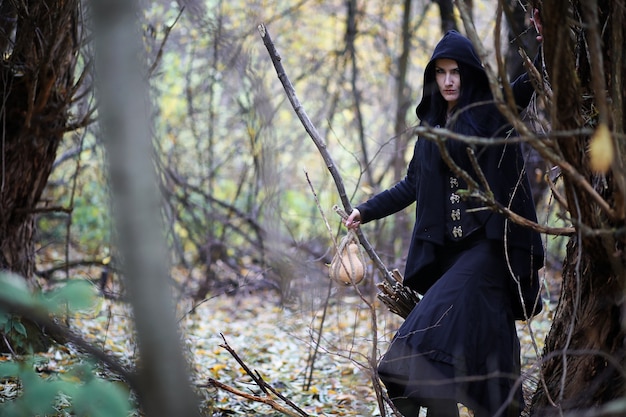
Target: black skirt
{"x": 460, "y": 341}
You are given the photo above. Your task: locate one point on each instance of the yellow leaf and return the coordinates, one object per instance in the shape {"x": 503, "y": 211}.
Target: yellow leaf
{"x": 601, "y": 151}
{"x": 182, "y": 232}
{"x": 217, "y": 368}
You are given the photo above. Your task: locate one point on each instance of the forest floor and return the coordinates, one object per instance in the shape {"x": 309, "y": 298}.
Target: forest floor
{"x": 317, "y": 357}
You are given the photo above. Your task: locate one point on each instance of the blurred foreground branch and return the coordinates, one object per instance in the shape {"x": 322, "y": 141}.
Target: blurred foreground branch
{"x": 124, "y": 110}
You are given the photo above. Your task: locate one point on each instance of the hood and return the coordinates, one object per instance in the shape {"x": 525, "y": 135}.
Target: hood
{"x": 454, "y": 46}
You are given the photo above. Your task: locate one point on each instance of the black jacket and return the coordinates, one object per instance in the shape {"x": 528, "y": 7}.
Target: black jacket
{"x": 427, "y": 174}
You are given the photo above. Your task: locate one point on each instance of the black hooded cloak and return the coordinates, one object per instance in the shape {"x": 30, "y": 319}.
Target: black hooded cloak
{"x": 425, "y": 181}
{"x": 462, "y": 332}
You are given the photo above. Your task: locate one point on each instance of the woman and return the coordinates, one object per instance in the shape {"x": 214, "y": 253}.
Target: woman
{"x": 459, "y": 344}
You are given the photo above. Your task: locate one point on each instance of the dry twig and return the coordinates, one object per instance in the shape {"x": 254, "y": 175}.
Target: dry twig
{"x": 268, "y": 391}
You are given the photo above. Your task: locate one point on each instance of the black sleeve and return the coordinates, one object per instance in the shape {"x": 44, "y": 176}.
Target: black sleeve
{"x": 393, "y": 199}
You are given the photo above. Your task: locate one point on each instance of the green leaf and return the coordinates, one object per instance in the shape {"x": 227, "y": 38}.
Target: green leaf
{"x": 89, "y": 395}
{"x": 19, "y": 327}
{"x": 99, "y": 398}
{"x": 4, "y": 318}
{"x": 77, "y": 295}
{"x": 8, "y": 325}
{"x": 9, "y": 369}
{"x": 39, "y": 394}
{"x": 13, "y": 288}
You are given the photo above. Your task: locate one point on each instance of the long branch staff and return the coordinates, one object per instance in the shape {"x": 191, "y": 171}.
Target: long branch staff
{"x": 321, "y": 146}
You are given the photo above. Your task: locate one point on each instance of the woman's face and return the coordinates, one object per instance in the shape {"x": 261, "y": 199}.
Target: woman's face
{"x": 448, "y": 80}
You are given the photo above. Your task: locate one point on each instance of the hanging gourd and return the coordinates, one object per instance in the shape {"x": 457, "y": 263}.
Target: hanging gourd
{"x": 348, "y": 264}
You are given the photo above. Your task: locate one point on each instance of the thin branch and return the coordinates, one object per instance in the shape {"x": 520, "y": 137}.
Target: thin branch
{"x": 168, "y": 30}
{"x": 556, "y": 194}
{"x": 50, "y": 209}
{"x": 47, "y": 273}
{"x": 264, "y": 386}
{"x": 253, "y": 375}
{"x": 316, "y": 344}
{"x": 265, "y": 400}
{"x": 73, "y": 153}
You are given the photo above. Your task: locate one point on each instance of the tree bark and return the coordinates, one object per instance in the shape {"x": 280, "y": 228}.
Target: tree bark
{"x": 584, "y": 351}
{"x": 39, "y": 47}
{"x": 446, "y": 11}
{"x": 37, "y": 86}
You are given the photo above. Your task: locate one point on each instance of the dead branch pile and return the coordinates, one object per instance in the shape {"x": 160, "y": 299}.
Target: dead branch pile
{"x": 398, "y": 298}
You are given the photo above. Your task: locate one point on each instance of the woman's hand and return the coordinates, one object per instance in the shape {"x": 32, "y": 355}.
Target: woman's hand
{"x": 354, "y": 219}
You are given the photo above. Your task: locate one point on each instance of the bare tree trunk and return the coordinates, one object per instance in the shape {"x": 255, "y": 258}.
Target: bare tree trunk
{"x": 351, "y": 34}
{"x": 39, "y": 45}
{"x": 585, "y": 351}
{"x": 36, "y": 86}
{"x": 163, "y": 373}
{"x": 402, "y": 228}
{"x": 446, "y": 11}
